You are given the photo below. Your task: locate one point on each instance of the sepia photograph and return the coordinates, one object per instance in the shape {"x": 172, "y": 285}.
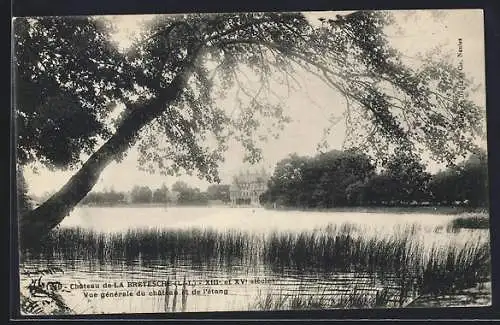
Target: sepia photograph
{"x": 251, "y": 161}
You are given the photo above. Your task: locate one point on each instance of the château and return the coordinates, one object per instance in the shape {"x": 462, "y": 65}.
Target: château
{"x": 247, "y": 187}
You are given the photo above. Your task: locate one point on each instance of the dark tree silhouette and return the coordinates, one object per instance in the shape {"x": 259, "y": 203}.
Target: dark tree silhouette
{"x": 68, "y": 76}
{"x": 219, "y": 192}
{"x": 407, "y": 176}
{"x": 465, "y": 182}
{"x": 325, "y": 180}
{"x": 160, "y": 195}
{"x": 141, "y": 194}
{"x": 23, "y": 200}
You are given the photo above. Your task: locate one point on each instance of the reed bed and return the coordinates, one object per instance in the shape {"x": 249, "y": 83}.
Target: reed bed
{"x": 399, "y": 258}
{"x": 452, "y": 268}
{"x": 341, "y": 249}
{"x": 144, "y": 245}
{"x": 320, "y": 300}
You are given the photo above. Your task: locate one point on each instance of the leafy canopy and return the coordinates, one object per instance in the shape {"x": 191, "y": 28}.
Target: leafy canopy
{"x": 325, "y": 180}
{"x": 69, "y": 75}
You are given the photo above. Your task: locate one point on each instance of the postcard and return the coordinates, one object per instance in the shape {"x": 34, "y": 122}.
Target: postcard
{"x": 251, "y": 161}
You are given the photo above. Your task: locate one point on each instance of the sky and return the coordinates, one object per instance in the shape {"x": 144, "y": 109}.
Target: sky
{"x": 309, "y": 108}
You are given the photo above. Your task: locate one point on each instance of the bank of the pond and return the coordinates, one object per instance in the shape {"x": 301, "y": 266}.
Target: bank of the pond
{"x": 475, "y": 296}
{"x": 448, "y": 210}
{"x": 478, "y": 295}
{"x": 354, "y": 209}
{"x": 336, "y": 248}
{"x": 428, "y": 254}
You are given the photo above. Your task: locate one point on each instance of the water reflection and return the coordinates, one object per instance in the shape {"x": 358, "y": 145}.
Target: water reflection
{"x": 342, "y": 265}
{"x": 246, "y": 288}
{"x": 174, "y": 293}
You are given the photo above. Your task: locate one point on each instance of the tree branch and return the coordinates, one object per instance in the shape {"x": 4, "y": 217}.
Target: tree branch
{"x": 38, "y": 222}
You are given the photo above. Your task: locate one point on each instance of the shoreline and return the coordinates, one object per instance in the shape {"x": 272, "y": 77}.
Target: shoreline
{"x": 448, "y": 210}
{"x": 477, "y": 296}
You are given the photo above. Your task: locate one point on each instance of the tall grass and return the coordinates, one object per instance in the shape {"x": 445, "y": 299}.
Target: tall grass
{"x": 320, "y": 300}
{"x": 399, "y": 259}
{"x": 449, "y": 269}
{"x": 145, "y": 245}
{"x": 341, "y": 249}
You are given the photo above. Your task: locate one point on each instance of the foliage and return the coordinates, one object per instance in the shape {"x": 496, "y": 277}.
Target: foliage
{"x": 402, "y": 181}
{"x": 70, "y": 77}
{"x": 349, "y": 178}
{"x": 66, "y": 81}
{"x": 192, "y": 196}
{"x": 104, "y": 198}
{"x": 468, "y": 181}
{"x": 186, "y": 195}
{"x": 179, "y": 186}
{"x": 160, "y": 195}
{"x": 141, "y": 194}
{"x": 471, "y": 222}
{"x": 181, "y": 194}
{"x": 285, "y": 184}
{"x": 23, "y": 200}
{"x": 69, "y": 73}
{"x": 319, "y": 181}
{"x": 218, "y": 192}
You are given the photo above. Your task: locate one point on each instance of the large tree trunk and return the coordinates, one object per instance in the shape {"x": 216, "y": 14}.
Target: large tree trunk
{"x": 37, "y": 223}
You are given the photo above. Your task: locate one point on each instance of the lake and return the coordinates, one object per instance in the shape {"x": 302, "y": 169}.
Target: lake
{"x": 174, "y": 259}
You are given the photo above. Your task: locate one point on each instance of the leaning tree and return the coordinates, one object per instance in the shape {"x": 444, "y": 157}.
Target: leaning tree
{"x": 70, "y": 77}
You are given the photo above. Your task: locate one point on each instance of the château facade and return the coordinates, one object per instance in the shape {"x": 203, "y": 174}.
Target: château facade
{"x": 247, "y": 187}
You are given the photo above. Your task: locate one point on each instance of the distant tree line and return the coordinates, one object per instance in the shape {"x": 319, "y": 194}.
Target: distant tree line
{"x": 180, "y": 194}
{"x": 108, "y": 197}
{"x": 350, "y": 178}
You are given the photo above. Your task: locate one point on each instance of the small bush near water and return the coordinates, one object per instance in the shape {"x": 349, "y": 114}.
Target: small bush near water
{"x": 471, "y": 222}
